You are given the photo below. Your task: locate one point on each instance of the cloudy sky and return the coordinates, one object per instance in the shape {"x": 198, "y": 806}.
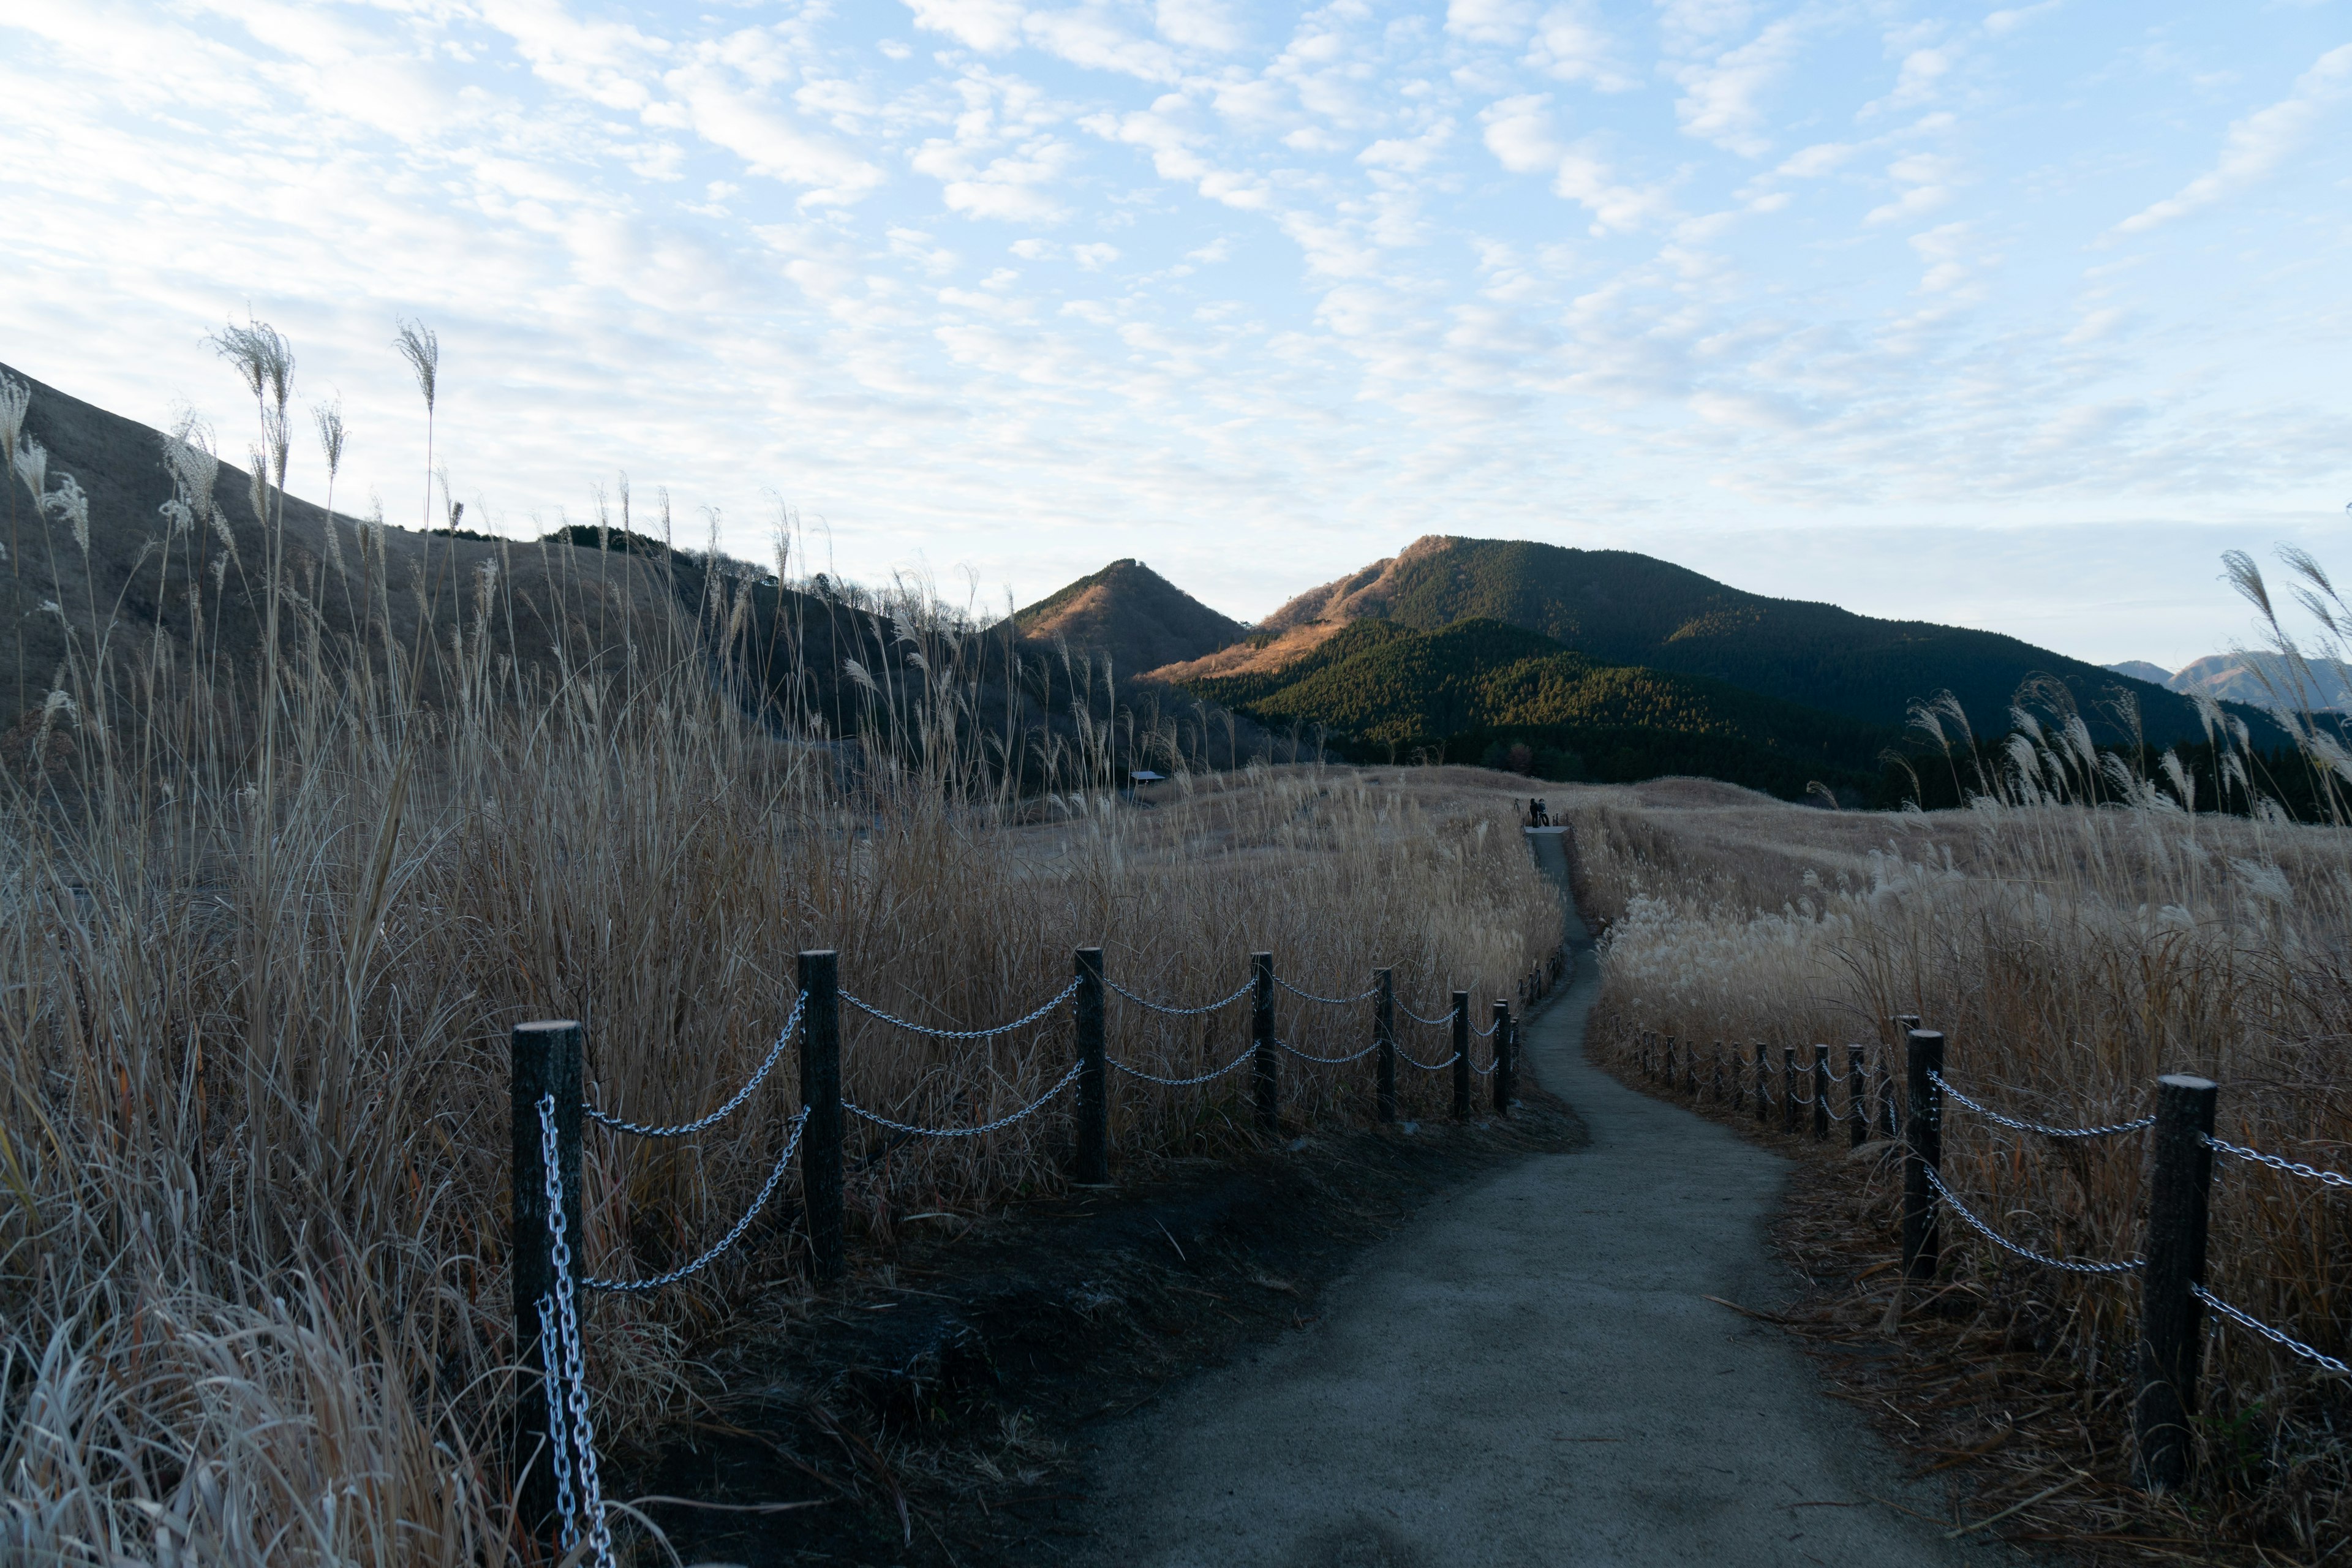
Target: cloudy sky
{"x": 2013, "y": 318}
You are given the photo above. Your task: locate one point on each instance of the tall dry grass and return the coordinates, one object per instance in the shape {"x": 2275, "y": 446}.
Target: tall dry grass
{"x": 2071, "y": 953}
{"x": 269, "y": 918}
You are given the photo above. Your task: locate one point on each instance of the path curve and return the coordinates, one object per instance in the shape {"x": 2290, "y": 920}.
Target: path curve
{"x": 1530, "y": 1373}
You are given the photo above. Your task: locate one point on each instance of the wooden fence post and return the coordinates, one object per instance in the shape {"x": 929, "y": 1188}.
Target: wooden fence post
{"x": 1384, "y": 1031}
{"x": 1094, "y": 1087}
{"x": 1788, "y": 1089}
{"x": 1857, "y": 1102}
{"x": 1670, "y": 1061}
{"x": 1738, "y": 1079}
{"x": 1714, "y": 1060}
{"x": 1267, "y": 1067}
{"x": 1506, "y": 1072}
{"x": 821, "y": 1134}
{"x": 2171, "y": 1317}
{"x": 1462, "y": 1056}
{"x": 1763, "y": 1087}
{"x": 1690, "y": 1070}
{"x": 545, "y": 1061}
{"x": 1923, "y": 1151}
{"x": 1821, "y": 1093}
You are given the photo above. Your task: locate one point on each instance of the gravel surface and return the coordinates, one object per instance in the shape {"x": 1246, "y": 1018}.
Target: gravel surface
{"x": 1531, "y": 1374}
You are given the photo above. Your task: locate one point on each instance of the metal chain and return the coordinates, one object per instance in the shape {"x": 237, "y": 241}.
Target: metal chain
{"x": 559, "y": 1443}
{"x": 1437, "y": 1023}
{"x": 2272, "y": 1334}
{"x": 1248, "y": 1052}
{"x": 1328, "y": 1061}
{"x": 1031, "y": 1110}
{"x": 1428, "y": 1067}
{"x": 1328, "y": 1001}
{"x": 1482, "y": 1072}
{"x": 582, "y": 1435}
{"x": 1489, "y": 1029}
{"x": 1990, "y": 1114}
{"x": 2292, "y": 1167}
{"x": 774, "y": 1053}
{"x": 1999, "y": 1240}
{"x": 1181, "y": 1011}
{"x": 767, "y": 1189}
{"x": 1023, "y": 1022}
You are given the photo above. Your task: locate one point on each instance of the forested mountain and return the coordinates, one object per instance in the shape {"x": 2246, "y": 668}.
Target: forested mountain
{"x": 1621, "y": 608}
{"x": 1381, "y": 689}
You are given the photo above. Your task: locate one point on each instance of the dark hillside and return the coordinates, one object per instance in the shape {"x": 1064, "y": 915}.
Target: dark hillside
{"x": 157, "y": 551}
{"x": 1624, "y": 608}
{"x": 1379, "y": 687}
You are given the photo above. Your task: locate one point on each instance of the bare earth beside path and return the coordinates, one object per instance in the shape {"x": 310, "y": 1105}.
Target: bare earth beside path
{"x": 1531, "y": 1374}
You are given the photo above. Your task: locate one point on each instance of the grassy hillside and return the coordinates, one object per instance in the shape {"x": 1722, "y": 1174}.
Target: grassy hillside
{"x": 1623, "y": 608}
{"x": 1379, "y": 687}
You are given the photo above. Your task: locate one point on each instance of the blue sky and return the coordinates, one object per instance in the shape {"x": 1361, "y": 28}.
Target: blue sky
{"x": 2009, "y": 317}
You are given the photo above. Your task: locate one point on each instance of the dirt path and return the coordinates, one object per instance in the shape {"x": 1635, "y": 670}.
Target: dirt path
{"x": 1531, "y": 1374}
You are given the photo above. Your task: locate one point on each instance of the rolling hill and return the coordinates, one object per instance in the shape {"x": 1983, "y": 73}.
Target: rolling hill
{"x": 1380, "y": 689}
{"x": 1621, "y": 608}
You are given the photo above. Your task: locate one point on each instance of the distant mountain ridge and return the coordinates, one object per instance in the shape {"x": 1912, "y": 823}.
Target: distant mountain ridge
{"x": 1623, "y": 608}
{"x": 2256, "y": 678}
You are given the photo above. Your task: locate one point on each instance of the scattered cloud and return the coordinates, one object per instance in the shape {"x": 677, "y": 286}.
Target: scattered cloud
{"x": 1027, "y": 278}
{"x": 2255, "y": 146}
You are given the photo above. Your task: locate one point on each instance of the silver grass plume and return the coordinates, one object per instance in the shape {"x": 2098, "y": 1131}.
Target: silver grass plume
{"x": 329, "y": 419}
{"x": 262, "y": 356}
{"x": 67, "y": 501}
{"x": 421, "y": 347}
{"x": 16, "y": 398}
{"x": 257, "y": 482}
{"x": 31, "y": 462}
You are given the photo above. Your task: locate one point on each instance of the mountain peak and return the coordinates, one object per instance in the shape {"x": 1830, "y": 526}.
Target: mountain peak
{"x": 1132, "y": 615}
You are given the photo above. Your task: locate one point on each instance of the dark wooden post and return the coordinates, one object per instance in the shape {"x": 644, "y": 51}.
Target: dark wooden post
{"x": 1738, "y": 1079}
{"x": 1094, "y": 1087}
{"x": 1690, "y": 1070}
{"x": 2171, "y": 1317}
{"x": 1788, "y": 1089}
{"x": 1714, "y": 1060}
{"x": 1267, "y": 1068}
{"x": 1384, "y": 1031}
{"x": 1670, "y": 1061}
{"x": 1923, "y": 1151}
{"x": 1506, "y": 1070}
{"x": 1821, "y": 1093}
{"x": 1462, "y": 1056}
{"x": 1857, "y": 1102}
{"x": 1763, "y": 1085}
{"x": 821, "y": 1134}
{"x": 545, "y": 1061}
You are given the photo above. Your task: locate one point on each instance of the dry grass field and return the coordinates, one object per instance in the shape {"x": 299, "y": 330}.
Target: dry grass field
{"x": 2070, "y": 952}
{"x": 270, "y": 919}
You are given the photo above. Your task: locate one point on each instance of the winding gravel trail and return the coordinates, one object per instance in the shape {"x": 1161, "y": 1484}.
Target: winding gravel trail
{"x": 1530, "y": 1373}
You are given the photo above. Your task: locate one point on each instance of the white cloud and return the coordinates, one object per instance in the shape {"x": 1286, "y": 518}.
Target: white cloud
{"x": 991, "y": 27}
{"x": 2258, "y": 144}
{"x": 1723, "y": 98}
{"x": 716, "y": 108}
{"x": 1490, "y": 21}
{"x": 1569, "y": 44}
{"x": 1520, "y": 134}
